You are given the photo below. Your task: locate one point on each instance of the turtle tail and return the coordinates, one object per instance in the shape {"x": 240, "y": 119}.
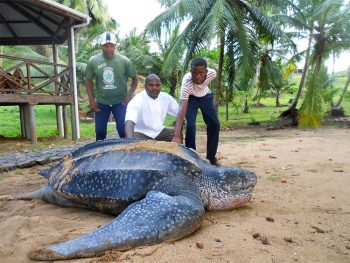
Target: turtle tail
{"x": 37, "y": 194}
{"x": 46, "y": 194}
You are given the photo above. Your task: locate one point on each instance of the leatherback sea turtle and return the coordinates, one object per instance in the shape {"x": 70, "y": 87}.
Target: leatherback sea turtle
{"x": 159, "y": 191}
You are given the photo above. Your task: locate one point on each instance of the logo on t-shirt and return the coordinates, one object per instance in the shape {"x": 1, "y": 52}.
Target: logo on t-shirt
{"x": 108, "y": 78}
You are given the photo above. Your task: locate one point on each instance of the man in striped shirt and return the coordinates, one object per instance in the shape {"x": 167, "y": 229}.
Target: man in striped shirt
{"x": 195, "y": 94}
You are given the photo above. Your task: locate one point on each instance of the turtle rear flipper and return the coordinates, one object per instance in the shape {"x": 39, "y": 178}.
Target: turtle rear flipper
{"x": 156, "y": 218}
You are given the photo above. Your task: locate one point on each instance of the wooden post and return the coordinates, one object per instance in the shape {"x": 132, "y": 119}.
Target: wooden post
{"x": 33, "y": 137}
{"x": 73, "y": 85}
{"x": 59, "y": 118}
{"x": 65, "y": 121}
{"x": 26, "y": 121}
{"x": 22, "y": 120}
{"x": 29, "y": 79}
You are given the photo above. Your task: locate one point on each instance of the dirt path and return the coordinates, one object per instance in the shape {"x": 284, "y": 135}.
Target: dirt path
{"x": 300, "y": 208}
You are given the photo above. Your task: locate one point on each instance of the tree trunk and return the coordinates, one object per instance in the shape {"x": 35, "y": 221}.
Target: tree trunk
{"x": 246, "y": 106}
{"x": 332, "y": 85}
{"x": 220, "y": 69}
{"x": 278, "y": 104}
{"x": 173, "y": 83}
{"x": 1, "y": 52}
{"x": 293, "y": 106}
{"x": 344, "y": 91}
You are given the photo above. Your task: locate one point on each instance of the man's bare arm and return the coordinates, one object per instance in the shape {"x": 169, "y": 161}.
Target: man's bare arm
{"x": 90, "y": 92}
{"x": 179, "y": 121}
{"x": 134, "y": 83}
{"x": 129, "y": 129}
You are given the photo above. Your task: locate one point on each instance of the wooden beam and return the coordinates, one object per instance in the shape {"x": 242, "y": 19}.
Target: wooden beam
{"x": 10, "y": 99}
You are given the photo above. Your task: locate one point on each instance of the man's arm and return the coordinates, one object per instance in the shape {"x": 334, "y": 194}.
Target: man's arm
{"x": 90, "y": 91}
{"x": 134, "y": 83}
{"x": 179, "y": 121}
{"x": 129, "y": 129}
{"x": 173, "y": 107}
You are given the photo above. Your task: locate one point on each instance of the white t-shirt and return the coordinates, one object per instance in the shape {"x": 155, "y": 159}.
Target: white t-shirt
{"x": 199, "y": 90}
{"x": 149, "y": 114}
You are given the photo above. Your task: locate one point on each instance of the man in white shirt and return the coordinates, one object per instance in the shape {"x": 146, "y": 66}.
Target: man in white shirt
{"x": 146, "y": 112}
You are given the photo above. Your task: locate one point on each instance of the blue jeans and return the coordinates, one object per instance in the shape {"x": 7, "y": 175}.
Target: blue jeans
{"x": 210, "y": 117}
{"x": 101, "y": 119}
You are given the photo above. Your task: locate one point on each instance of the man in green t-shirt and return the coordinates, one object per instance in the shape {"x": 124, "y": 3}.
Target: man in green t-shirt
{"x": 109, "y": 93}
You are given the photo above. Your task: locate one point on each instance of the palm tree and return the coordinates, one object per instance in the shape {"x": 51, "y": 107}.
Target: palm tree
{"x": 270, "y": 77}
{"x": 137, "y": 49}
{"x": 169, "y": 72}
{"x": 326, "y": 24}
{"x": 96, "y": 9}
{"x": 331, "y": 24}
{"x": 232, "y": 24}
{"x": 346, "y": 86}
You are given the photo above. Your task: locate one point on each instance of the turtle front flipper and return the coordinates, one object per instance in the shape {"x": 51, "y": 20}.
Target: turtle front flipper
{"x": 171, "y": 211}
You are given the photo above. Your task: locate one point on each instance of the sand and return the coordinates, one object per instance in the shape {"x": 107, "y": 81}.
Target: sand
{"x": 300, "y": 210}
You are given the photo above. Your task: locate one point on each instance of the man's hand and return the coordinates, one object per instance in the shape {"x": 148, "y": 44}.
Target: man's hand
{"x": 177, "y": 139}
{"x": 127, "y": 99}
{"x": 94, "y": 106}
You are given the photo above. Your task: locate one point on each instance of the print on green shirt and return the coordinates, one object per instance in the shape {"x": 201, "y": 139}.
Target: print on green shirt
{"x": 111, "y": 77}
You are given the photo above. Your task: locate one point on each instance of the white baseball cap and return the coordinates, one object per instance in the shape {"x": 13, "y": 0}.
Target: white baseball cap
{"x": 107, "y": 37}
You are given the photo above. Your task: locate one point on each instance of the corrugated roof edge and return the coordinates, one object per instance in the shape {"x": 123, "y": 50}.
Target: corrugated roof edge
{"x": 73, "y": 13}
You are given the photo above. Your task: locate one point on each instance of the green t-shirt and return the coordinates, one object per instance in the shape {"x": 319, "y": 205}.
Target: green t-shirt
{"x": 111, "y": 77}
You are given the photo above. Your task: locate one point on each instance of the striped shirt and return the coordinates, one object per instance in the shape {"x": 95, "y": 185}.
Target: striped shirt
{"x": 199, "y": 90}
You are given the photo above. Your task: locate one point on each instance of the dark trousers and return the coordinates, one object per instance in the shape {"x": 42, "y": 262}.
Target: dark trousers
{"x": 166, "y": 135}
{"x": 101, "y": 119}
{"x": 210, "y": 117}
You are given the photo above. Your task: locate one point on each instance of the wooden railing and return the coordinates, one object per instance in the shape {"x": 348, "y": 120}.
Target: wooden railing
{"x": 49, "y": 84}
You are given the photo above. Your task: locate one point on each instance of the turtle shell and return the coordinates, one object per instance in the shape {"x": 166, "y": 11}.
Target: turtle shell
{"x": 109, "y": 175}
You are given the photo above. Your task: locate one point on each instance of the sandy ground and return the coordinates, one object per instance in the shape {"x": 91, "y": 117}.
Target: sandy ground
{"x": 300, "y": 211}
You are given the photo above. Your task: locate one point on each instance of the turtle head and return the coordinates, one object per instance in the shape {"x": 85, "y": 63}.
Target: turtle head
{"x": 226, "y": 187}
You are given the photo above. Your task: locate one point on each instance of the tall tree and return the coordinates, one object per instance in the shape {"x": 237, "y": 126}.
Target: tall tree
{"x": 96, "y": 9}
{"x": 342, "y": 95}
{"x": 325, "y": 25}
{"x": 170, "y": 72}
{"x": 332, "y": 24}
{"x": 227, "y": 22}
{"x": 137, "y": 49}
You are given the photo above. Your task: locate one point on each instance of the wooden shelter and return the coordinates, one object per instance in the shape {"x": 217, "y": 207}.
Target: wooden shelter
{"x": 40, "y": 22}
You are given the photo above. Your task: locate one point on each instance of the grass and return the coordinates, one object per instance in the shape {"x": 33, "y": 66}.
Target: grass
{"x": 47, "y": 130}
{"x": 46, "y": 120}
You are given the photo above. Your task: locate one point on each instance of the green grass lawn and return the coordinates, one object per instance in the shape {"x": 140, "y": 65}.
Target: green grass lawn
{"x": 46, "y": 119}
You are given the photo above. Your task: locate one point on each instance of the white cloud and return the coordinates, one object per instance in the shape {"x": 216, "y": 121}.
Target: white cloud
{"x": 133, "y": 13}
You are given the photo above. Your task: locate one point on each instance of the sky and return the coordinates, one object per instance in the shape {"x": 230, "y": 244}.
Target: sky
{"x": 137, "y": 13}
{"x": 133, "y": 13}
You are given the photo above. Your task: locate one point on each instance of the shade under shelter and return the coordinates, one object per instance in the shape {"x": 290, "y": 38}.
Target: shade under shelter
{"x": 40, "y": 22}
